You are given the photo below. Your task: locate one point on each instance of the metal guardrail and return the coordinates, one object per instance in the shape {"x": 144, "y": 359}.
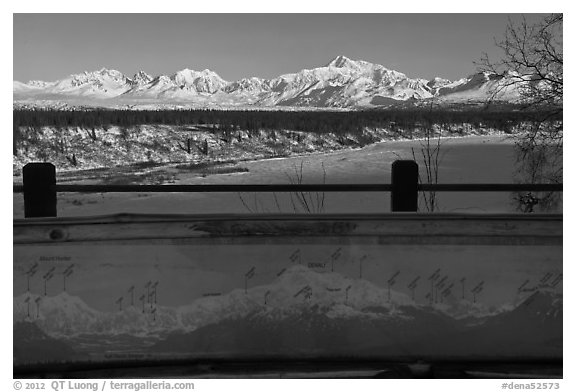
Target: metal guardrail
{"x": 40, "y": 188}
{"x": 293, "y": 229}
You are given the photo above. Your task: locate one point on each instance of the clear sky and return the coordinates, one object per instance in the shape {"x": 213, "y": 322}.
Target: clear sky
{"x": 52, "y": 46}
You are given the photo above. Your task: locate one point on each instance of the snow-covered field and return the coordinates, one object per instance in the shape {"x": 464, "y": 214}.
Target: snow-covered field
{"x": 472, "y": 159}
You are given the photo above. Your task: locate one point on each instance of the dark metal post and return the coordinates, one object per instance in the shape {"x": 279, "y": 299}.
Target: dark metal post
{"x": 404, "y": 186}
{"x": 39, "y": 183}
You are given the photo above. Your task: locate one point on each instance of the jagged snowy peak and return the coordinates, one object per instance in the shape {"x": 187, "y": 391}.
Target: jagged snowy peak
{"x": 361, "y": 67}
{"x": 478, "y": 87}
{"x": 342, "y": 62}
{"x": 141, "y": 78}
{"x": 250, "y": 85}
{"x": 205, "y": 81}
{"x": 105, "y": 81}
{"x": 158, "y": 83}
{"x": 97, "y": 77}
{"x": 438, "y": 83}
{"x": 152, "y": 89}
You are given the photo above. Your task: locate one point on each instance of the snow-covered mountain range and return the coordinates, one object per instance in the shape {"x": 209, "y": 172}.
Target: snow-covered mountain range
{"x": 342, "y": 83}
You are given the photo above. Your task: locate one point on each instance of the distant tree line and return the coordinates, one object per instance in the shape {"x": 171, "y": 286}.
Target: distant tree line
{"x": 305, "y": 121}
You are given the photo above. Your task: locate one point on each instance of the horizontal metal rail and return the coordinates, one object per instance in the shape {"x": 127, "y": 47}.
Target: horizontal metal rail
{"x": 490, "y": 187}
{"x": 302, "y": 188}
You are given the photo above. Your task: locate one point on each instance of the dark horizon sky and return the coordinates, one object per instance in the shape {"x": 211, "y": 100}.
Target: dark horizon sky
{"x": 53, "y": 46}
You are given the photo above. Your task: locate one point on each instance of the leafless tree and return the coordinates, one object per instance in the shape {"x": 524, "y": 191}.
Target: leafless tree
{"x": 532, "y": 63}
{"x": 307, "y": 202}
{"x": 301, "y": 202}
{"x": 16, "y": 137}
{"x": 187, "y": 148}
{"x": 430, "y": 152}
